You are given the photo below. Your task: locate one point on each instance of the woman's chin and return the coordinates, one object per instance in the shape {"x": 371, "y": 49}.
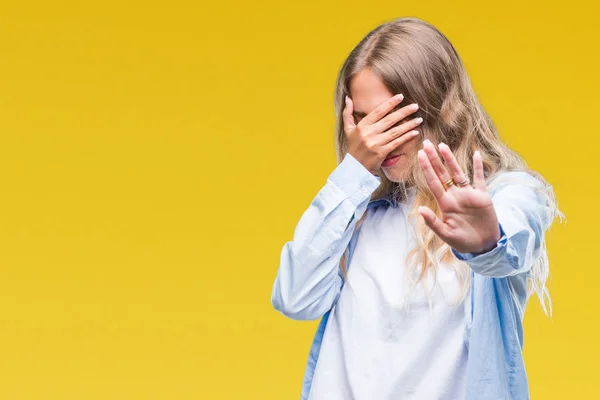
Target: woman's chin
{"x": 394, "y": 174}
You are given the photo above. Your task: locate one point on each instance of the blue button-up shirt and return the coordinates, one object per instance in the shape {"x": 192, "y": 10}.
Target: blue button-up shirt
{"x": 309, "y": 281}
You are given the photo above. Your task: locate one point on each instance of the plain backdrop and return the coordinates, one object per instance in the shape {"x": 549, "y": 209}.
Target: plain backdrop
{"x": 155, "y": 157}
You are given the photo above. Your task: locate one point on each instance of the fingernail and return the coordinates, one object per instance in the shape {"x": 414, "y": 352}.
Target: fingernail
{"x": 442, "y": 144}
{"x": 399, "y": 96}
{"x": 415, "y": 106}
{"x": 347, "y": 98}
{"x": 418, "y": 120}
{"x": 426, "y": 141}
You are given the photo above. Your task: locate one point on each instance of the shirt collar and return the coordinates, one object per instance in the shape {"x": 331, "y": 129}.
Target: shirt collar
{"x": 388, "y": 200}
{"x": 382, "y": 200}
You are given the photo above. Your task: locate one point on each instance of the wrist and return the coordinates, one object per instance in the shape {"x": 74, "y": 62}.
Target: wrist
{"x": 489, "y": 243}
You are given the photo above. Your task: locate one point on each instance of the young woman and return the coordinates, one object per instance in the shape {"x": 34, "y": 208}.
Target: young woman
{"x": 422, "y": 248}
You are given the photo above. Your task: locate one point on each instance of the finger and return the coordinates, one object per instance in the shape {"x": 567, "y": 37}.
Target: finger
{"x": 478, "y": 176}
{"x": 456, "y": 171}
{"x": 436, "y": 161}
{"x": 399, "y": 141}
{"x": 398, "y": 115}
{"x": 433, "y": 181}
{"x": 433, "y": 222}
{"x": 348, "y": 118}
{"x": 381, "y": 110}
{"x": 399, "y": 130}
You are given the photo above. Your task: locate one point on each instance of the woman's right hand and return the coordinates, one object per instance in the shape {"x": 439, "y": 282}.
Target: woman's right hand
{"x": 371, "y": 139}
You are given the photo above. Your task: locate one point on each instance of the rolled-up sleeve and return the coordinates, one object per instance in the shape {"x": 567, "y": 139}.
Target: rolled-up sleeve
{"x": 308, "y": 281}
{"x": 523, "y": 217}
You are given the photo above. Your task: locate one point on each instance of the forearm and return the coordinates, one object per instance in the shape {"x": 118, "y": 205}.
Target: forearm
{"x": 308, "y": 281}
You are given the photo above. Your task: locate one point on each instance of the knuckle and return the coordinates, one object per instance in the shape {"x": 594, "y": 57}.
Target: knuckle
{"x": 401, "y": 130}
{"x": 399, "y": 120}
{"x": 384, "y": 121}
{"x": 369, "y": 143}
{"x": 378, "y": 113}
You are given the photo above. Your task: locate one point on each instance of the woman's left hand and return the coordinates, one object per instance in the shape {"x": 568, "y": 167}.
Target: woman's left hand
{"x": 468, "y": 220}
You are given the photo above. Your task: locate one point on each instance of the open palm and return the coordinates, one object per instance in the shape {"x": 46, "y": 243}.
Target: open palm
{"x": 468, "y": 220}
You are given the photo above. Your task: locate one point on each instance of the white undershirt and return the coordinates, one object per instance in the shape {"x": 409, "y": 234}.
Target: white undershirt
{"x": 373, "y": 348}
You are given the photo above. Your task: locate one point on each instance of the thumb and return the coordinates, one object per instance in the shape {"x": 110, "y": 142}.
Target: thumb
{"x": 348, "y": 118}
{"x": 433, "y": 222}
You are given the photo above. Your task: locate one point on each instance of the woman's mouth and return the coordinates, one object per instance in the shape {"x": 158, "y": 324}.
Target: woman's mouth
{"x": 391, "y": 160}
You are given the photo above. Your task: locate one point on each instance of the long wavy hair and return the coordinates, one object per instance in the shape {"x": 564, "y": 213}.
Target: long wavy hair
{"x": 414, "y": 58}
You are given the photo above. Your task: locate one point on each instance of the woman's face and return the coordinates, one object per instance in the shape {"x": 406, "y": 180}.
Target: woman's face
{"x": 367, "y": 92}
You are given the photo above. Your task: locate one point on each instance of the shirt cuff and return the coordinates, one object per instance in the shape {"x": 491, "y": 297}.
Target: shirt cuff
{"x": 356, "y": 181}
{"x": 489, "y": 257}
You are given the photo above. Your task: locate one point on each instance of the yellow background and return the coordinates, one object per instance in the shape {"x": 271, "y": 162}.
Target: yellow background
{"x": 156, "y": 156}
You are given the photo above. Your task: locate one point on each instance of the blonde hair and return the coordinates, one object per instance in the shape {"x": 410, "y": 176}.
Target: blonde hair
{"x": 412, "y": 57}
